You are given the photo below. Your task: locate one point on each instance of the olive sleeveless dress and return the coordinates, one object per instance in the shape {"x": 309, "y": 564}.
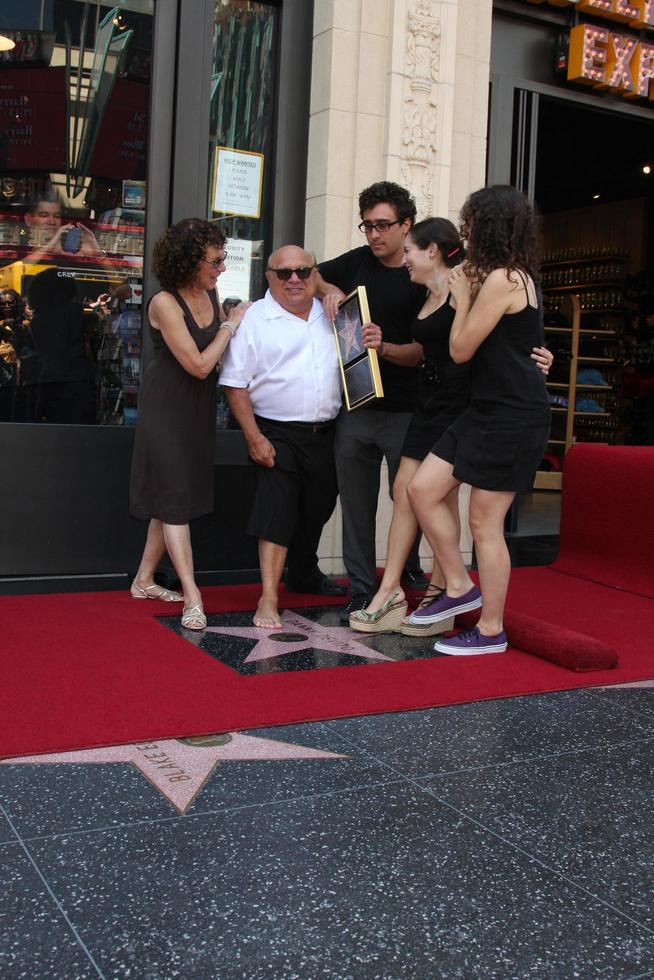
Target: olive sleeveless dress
{"x": 443, "y": 386}
{"x": 173, "y": 460}
{"x": 499, "y": 441}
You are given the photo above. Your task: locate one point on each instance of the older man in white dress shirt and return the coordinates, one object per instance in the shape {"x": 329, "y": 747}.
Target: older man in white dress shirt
{"x": 282, "y": 382}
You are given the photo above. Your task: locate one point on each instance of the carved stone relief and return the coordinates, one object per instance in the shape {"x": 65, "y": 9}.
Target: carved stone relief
{"x": 423, "y": 41}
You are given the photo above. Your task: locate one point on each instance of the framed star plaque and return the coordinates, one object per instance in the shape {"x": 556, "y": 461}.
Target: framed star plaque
{"x": 359, "y": 366}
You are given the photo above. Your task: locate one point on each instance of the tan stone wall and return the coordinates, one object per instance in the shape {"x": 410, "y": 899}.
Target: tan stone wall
{"x": 400, "y": 92}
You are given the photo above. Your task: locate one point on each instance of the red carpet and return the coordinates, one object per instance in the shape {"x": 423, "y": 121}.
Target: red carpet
{"x": 80, "y": 671}
{"x": 97, "y": 669}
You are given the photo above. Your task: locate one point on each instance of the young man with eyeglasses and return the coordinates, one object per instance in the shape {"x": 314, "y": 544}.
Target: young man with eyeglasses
{"x": 282, "y": 382}
{"x": 377, "y": 430}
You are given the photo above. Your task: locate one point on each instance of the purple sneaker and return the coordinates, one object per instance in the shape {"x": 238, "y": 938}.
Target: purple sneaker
{"x": 468, "y": 643}
{"x": 444, "y": 606}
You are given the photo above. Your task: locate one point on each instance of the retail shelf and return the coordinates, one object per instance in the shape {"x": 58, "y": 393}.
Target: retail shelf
{"x": 586, "y": 260}
{"x": 548, "y": 480}
{"x": 581, "y": 286}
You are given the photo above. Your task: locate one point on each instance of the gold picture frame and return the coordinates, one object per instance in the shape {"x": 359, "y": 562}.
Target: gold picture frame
{"x": 359, "y": 366}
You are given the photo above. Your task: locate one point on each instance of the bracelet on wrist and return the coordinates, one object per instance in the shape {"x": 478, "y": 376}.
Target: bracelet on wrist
{"x": 228, "y": 326}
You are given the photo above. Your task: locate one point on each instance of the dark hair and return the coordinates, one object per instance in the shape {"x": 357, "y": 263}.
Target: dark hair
{"x": 441, "y": 232}
{"x": 50, "y": 288}
{"x": 181, "y": 247}
{"x": 49, "y": 195}
{"x": 386, "y": 192}
{"x": 501, "y": 229}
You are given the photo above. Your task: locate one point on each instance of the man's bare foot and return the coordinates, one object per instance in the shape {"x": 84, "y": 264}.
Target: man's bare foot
{"x": 383, "y": 594}
{"x": 267, "y": 615}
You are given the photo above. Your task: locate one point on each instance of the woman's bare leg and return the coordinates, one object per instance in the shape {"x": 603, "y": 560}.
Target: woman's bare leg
{"x": 177, "y": 538}
{"x": 401, "y": 535}
{"x": 431, "y": 493}
{"x": 153, "y": 552}
{"x": 487, "y": 512}
{"x": 437, "y": 580}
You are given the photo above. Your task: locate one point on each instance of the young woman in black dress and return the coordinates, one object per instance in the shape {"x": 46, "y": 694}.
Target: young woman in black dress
{"x": 432, "y": 248}
{"x": 498, "y": 443}
{"x": 173, "y": 461}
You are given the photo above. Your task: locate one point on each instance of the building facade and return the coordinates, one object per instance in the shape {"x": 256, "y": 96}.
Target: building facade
{"x": 118, "y": 119}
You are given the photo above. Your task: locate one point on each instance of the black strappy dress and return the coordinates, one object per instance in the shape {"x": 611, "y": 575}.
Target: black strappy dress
{"x": 173, "y": 461}
{"x": 499, "y": 441}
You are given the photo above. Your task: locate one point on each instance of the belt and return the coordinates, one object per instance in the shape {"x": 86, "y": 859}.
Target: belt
{"x": 306, "y": 426}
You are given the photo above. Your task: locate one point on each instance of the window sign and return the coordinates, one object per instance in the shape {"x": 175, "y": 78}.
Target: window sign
{"x": 235, "y": 280}
{"x": 238, "y": 181}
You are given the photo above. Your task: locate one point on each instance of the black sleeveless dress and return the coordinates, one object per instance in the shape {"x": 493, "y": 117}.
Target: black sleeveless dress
{"x": 443, "y": 386}
{"x": 173, "y": 461}
{"x": 499, "y": 441}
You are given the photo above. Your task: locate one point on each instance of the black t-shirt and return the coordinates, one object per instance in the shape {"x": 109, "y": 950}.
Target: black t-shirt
{"x": 394, "y": 301}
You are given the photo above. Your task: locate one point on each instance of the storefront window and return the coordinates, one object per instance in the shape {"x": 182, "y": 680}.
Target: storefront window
{"x": 241, "y": 145}
{"x": 74, "y": 104}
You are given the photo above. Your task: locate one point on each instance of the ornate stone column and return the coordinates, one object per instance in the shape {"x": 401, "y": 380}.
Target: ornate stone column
{"x": 419, "y": 133}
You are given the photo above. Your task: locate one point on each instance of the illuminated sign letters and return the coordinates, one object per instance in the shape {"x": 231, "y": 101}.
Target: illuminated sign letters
{"x": 605, "y": 58}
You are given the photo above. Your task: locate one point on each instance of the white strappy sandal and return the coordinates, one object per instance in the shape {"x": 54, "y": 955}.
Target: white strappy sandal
{"x": 155, "y": 592}
{"x": 193, "y": 618}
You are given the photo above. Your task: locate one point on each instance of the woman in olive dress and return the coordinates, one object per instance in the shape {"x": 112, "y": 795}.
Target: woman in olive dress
{"x": 172, "y": 479}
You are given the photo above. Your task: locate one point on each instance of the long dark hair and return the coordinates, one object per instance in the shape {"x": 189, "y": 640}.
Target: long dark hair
{"x": 502, "y": 231}
{"x": 441, "y": 232}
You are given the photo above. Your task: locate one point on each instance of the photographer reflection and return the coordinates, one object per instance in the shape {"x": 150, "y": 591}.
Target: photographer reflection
{"x": 60, "y": 331}
{"x": 47, "y": 236}
{"x": 18, "y": 363}
{"x": 119, "y": 352}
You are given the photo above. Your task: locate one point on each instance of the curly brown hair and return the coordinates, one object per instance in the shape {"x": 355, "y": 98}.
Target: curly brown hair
{"x": 180, "y": 248}
{"x": 502, "y": 231}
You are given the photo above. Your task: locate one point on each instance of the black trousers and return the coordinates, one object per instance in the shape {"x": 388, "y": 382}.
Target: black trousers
{"x": 295, "y": 498}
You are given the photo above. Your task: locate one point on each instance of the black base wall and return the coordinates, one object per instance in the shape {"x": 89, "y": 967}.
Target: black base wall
{"x": 64, "y": 500}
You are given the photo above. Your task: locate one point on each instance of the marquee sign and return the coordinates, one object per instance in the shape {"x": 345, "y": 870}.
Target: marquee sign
{"x": 607, "y": 58}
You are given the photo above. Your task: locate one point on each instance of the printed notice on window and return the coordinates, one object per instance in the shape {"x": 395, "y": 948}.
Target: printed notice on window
{"x": 238, "y": 180}
{"x": 234, "y": 283}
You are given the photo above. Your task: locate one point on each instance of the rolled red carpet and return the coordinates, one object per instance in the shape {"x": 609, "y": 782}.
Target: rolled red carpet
{"x": 561, "y": 646}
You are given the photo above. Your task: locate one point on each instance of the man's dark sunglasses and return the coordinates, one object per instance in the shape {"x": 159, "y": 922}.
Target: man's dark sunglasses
{"x": 302, "y": 273}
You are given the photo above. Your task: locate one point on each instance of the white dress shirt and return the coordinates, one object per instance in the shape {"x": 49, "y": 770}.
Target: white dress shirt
{"x": 289, "y": 365}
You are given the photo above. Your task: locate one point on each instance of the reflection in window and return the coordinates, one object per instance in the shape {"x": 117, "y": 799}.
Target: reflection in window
{"x": 242, "y": 116}
{"x": 73, "y": 135}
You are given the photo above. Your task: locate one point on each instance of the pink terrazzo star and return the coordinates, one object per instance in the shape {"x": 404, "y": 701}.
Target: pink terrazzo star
{"x": 178, "y": 769}
{"x": 336, "y": 639}
{"x": 348, "y": 334}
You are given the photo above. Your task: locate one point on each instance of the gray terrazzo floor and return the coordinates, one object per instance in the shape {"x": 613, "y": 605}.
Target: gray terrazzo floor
{"x": 503, "y": 839}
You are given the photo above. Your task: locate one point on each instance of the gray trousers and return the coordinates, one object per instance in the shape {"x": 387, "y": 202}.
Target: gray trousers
{"x": 363, "y": 439}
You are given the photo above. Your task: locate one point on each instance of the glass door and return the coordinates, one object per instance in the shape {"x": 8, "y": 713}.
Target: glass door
{"x": 74, "y": 121}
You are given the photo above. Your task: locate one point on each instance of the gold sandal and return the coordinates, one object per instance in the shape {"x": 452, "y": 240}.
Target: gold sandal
{"x": 155, "y": 592}
{"x": 193, "y": 618}
{"x": 387, "y": 619}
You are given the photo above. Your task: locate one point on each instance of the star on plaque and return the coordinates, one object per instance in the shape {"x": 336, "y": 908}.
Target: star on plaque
{"x": 179, "y": 768}
{"x": 348, "y": 334}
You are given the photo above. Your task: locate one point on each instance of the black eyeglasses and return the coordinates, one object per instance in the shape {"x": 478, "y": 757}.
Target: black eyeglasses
{"x": 214, "y": 263}
{"x": 367, "y": 226}
{"x": 285, "y": 274}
